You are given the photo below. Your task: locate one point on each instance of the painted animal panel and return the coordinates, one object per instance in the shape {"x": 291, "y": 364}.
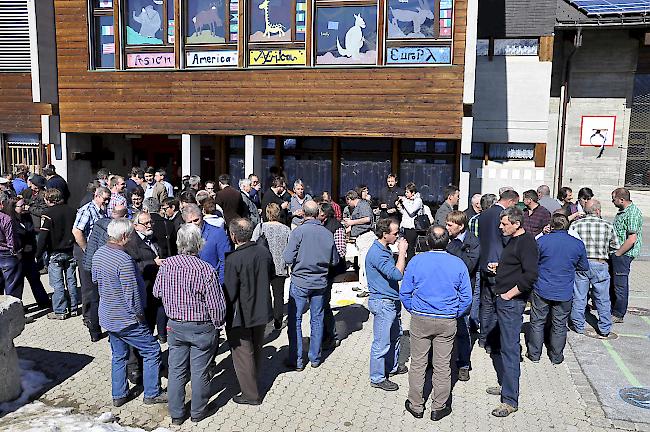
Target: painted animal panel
{"x": 346, "y": 35}
{"x": 409, "y": 21}
{"x": 270, "y": 20}
{"x": 209, "y": 19}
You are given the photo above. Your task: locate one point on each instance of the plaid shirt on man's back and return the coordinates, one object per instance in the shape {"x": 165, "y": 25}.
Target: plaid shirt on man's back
{"x": 598, "y": 235}
{"x": 473, "y": 224}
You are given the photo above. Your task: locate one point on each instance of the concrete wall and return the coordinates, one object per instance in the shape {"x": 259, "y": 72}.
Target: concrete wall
{"x": 601, "y": 82}
{"x": 512, "y": 96}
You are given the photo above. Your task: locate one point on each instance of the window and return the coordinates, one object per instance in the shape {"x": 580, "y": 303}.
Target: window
{"x": 212, "y": 29}
{"x": 419, "y": 31}
{"x": 102, "y": 34}
{"x": 149, "y": 33}
{"x": 507, "y": 47}
{"x": 277, "y": 32}
{"x": 346, "y": 35}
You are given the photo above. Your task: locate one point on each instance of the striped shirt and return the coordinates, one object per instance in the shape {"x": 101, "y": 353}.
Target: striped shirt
{"x": 598, "y": 235}
{"x": 628, "y": 222}
{"x": 87, "y": 215}
{"x": 122, "y": 294}
{"x": 116, "y": 200}
{"x": 190, "y": 291}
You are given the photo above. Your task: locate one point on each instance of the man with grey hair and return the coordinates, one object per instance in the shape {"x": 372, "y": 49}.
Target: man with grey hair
{"x": 245, "y": 190}
{"x": 163, "y": 229}
{"x": 84, "y": 222}
{"x": 474, "y": 206}
{"x": 122, "y": 300}
{"x": 545, "y": 199}
{"x": 516, "y": 272}
{"x": 194, "y": 302}
{"x": 216, "y": 241}
{"x": 297, "y": 200}
{"x": 310, "y": 253}
{"x": 249, "y": 270}
{"x": 600, "y": 241}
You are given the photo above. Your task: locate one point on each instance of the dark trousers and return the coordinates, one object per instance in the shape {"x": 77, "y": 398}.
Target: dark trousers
{"x": 487, "y": 312}
{"x": 620, "y": 280}
{"x": 155, "y": 315}
{"x": 191, "y": 348}
{"x": 246, "y": 347}
{"x": 503, "y": 339}
{"x": 30, "y": 272}
{"x": 89, "y": 296}
{"x": 411, "y": 236}
{"x": 540, "y": 309}
{"x": 11, "y": 276}
{"x": 277, "y": 287}
{"x": 329, "y": 323}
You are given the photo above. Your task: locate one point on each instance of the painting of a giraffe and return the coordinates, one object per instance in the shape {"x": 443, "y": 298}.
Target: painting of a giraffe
{"x": 270, "y": 28}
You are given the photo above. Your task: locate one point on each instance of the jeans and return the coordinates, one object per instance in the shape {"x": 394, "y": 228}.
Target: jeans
{"x": 11, "y": 275}
{"x": 139, "y": 337}
{"x": 506, "y": 349}
{"x": 598, "y": 277}
{"x": 620, "y": 275}
{"x": 476, "y": 302}
{"x": 192, "y": 346}
{"x": 487, "y": 312}
{"x": 30, "y": 272}
{"x": 89, "y": 296}
{"x": 386, "y": 334}
{"x": 62, "y": 272}
{"x": 299, "y": 298}
{"x": 329, "y": 323}
{"x": 559, "y": 311}
{"x": 463, "y": 343}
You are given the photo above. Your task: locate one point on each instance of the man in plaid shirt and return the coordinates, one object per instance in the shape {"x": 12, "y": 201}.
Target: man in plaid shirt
{"x": 600, "y": 241}
{"x": 628, "y": 224}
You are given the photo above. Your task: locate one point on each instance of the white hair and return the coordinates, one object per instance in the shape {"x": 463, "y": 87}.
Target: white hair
{"x": 189, "y": 240}
{"x": 298, "y": 183}
{"x": 118, "y": 229}
{"x": 191, "y": 209}
{"x": 244, "y": 182}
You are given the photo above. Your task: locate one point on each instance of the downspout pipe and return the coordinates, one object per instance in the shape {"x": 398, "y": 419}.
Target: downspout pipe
{"x": 566, "y": 72}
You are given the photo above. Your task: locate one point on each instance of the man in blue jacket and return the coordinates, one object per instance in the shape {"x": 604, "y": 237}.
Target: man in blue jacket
{"x": 436, "y": 291}
{"x": 216, "y": 245}
{"x": 310, "y": 253}
{"x": 560, "y": 256}
{"x": 383, "y": 277}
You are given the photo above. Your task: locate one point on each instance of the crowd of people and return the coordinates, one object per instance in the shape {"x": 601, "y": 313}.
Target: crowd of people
{"x": 163, "y": 266}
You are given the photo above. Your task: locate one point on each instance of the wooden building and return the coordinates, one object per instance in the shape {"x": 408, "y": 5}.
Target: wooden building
{"x": 337, "y": 92}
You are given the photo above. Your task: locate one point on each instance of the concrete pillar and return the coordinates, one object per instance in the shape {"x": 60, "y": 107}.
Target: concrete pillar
{"x": 252, "y": 155}
{"x": 58, "y": 151}
{"x": 12, "y": 323}
{"x": 191, "y": 155}
{"x": 465, "y": 166}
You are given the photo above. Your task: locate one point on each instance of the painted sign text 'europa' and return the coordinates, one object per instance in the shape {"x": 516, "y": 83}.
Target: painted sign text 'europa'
{"x": 277, "y": 57}
{"x": 211, "y": 58}
{"x": 150, "y": 60}
{"x": 418, "y": 55}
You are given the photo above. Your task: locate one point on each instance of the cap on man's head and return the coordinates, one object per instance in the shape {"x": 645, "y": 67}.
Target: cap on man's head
{"x": 38, "y": 180}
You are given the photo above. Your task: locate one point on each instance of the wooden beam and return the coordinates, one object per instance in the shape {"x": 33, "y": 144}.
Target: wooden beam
{"x": 540, "y": 155}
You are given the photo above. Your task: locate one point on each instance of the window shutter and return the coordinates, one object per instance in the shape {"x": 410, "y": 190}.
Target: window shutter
{"x": 14, "y": 36}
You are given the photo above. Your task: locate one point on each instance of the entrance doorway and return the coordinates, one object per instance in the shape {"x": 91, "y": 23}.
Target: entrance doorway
{"x": 159, "y": 151}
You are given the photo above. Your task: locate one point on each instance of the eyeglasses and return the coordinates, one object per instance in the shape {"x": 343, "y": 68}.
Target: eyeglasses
{"x": 164, "y": 208}
{"x": 255, "y": 182}
{"x": 148, "y": 223}
{"x": 194, "y": 221}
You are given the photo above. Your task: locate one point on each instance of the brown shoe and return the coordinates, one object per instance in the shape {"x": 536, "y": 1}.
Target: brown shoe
{"x": 57, "y": 316}
{"x": 503, "y": 410}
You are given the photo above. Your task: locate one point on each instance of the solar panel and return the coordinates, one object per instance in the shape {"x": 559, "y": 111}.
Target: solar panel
{"x": 612, "y": 7}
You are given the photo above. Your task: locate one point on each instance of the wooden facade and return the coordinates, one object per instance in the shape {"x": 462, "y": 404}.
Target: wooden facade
{"x": 18, "y": 114}
{"x": 399, "y": 102}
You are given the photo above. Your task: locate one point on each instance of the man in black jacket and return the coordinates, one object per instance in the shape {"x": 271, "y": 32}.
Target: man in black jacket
{"x": 465, "y": 246}
{"x": 492, "y": 243}
{"x": 55, "y": 237}
{"x": 275, "y": 194}
{"x": 164, "y": 230}
{"x": 171, "y": 211}
{"x": 248, "y": 273}
{"x": 55, "y": 181}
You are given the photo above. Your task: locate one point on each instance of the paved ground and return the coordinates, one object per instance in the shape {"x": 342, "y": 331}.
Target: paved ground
{"x": 337, "y": 395}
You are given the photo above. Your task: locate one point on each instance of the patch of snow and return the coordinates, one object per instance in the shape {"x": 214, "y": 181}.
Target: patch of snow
{"x": 38, "y": 417}
{"x": 32, "y": 382}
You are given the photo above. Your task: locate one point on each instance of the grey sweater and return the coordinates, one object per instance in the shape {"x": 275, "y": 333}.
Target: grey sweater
{"x": 310, "y": 253}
